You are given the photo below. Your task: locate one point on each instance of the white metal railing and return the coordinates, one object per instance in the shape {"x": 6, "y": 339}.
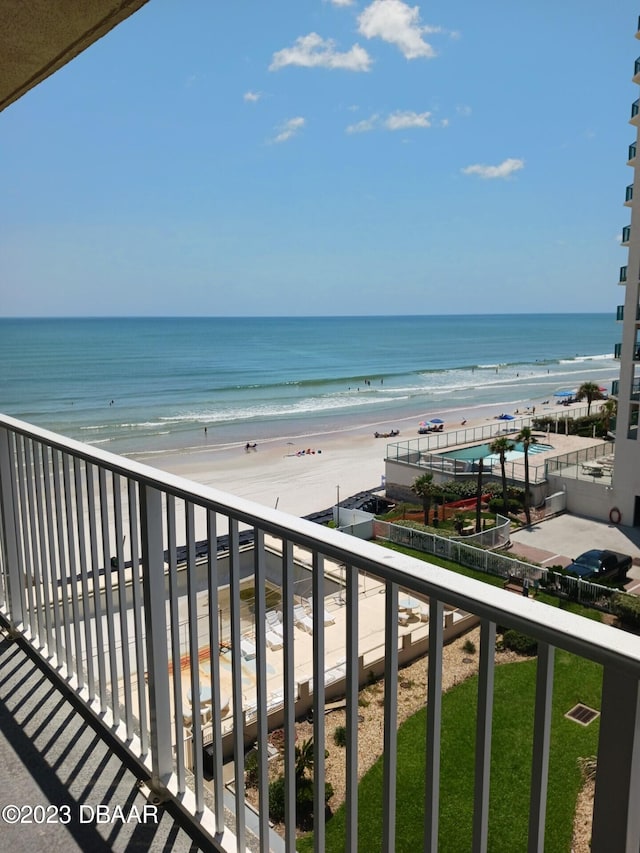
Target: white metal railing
{"x": 90, "y": 578}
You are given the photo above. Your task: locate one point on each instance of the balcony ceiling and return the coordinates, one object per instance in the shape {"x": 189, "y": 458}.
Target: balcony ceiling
{"x": 37, "y": 37}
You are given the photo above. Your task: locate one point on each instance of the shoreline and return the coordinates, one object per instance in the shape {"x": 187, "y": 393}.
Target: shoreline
{"x": 342, "y": 462}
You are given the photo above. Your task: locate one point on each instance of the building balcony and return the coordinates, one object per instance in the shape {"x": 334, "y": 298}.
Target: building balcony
{"x": 626, "y": 235}
{"x": 623, "y": 275}
{"x": 617, "y": 351}
{"x": 635, "y": 113}
{"x": 126, "y": 584}
{"x": 636, "y": 71}
{"x": 615, "y": 385}
{"x": 631, "y": 155}
{"x": 635, "y": 391}
{"x": 628, "y": 196}
{"x": 620, "y": 313}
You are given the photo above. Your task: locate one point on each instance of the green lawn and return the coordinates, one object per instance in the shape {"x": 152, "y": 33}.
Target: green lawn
{"x": 576, "y": 680}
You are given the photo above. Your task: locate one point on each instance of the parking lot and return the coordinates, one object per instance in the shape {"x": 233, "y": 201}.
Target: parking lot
{"x": 559, "y": 540}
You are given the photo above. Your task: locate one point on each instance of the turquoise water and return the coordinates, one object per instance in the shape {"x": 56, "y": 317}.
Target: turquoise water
{"x": 483, "y": 451}
{"x": 155, "y": 383}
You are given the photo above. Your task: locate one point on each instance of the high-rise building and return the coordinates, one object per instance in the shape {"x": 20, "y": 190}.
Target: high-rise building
{"x": 626, "y": 484}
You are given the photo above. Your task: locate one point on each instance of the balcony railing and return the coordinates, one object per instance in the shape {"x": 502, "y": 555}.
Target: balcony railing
{"x": 620, "y": 313}
{"x": 632, "y": 152}
{"x": 626, "y": 234}
{"x": 636, "y": 67}
{"x": 623, "y": 275}
{"x": 617, "y": 350}
{"x": 615, "y": 387}
{"x": 635, "y": 109}
{"x": 628, "y": 195}
{"x": 109, "y": 570}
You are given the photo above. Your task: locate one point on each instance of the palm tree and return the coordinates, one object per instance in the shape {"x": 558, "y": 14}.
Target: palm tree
{"x": 608, "y": 411}
{"x": 479, "y": 496}
{"x": 591, "y": 391}
{"x": 502, "y": 446}
{"x": 424, "y": 487}
{"x": 305, "y": 758}
{"x": 526, "y": 438}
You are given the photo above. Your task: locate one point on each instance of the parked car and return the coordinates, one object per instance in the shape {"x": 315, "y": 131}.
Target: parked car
{"x": 594, "y": 565}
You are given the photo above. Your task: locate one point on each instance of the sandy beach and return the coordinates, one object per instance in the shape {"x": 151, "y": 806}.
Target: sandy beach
{"x": 341, "y": 463}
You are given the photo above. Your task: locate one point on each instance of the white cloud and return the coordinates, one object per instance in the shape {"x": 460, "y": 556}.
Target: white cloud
{"x": 252, "y": 97}
{"x": 463, "y": 110}
{"x": 444, "y": 122}
{"x": 503, "y": 170}
{"x": 289, "y": 128}
{"x": 404, "y": 120}
{"x": 341, "y": 2}
{"x": 399, "y": 24}
{"x": 400, "y": 120}
{"x": 364, "y": 126}
{"x": 312, "y": 51}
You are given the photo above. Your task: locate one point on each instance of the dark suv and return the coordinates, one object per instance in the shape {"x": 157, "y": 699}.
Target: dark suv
{"x": 595, "y": 564}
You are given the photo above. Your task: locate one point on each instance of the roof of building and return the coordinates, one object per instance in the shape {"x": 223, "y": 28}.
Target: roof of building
{"x": 39, "y": 37}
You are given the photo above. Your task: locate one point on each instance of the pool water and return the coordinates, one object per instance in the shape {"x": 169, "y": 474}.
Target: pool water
{"x": 483, "y": 451}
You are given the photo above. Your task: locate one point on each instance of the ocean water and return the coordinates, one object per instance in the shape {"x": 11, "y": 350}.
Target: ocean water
{"x": 151, "y": 384}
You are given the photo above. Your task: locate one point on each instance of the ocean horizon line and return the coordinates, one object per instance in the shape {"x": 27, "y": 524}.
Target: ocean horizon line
{"x": 413, "y": 316}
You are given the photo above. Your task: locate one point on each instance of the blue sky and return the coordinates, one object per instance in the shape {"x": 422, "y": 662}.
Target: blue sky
{"x": 325, "y": 157}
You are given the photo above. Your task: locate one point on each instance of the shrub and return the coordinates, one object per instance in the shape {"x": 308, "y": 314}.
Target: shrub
{"x": 304, "y": 800}
{"x": 497, "y": 505}
{"x": 276, "y": 800}
{"x": 627, "y": 609}
{"x": 520, "y": 643}
{"x": 340, "y": 736}
{"x": 251, "y": 769}
{"x": 469, "y": 647}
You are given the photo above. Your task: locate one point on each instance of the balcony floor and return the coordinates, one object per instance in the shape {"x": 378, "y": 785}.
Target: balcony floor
{"x": 50, "y": 756}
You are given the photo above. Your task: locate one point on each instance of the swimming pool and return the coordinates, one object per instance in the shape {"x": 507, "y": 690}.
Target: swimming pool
{"x": 483, "y": 451}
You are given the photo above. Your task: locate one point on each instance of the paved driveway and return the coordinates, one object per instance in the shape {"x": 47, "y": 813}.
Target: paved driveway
{"x": 558, "y": 540}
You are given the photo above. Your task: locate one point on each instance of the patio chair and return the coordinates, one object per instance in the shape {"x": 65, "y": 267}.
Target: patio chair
{"x": 274, "y": 641}
{"x": 301, "y": 620}
{"x": 248, "y": 649}
{"x": 274, "y": 624}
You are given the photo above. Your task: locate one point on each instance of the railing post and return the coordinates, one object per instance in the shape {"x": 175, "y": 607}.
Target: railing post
{"x": 155, "y": 619}
{"x": 8, "y": 530}
{"x": 616, "y": 817}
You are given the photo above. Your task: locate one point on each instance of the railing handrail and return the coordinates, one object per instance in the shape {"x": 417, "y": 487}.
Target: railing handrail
{"x": 63, "y": 507}
{"x": 598, "y": 642}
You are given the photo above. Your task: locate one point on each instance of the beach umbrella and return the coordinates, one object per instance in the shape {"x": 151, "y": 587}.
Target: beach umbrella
{"x": 564, "y": 393}
{"x": 436, "y": 421}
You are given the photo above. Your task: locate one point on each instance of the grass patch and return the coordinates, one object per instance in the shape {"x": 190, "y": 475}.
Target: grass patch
{"x": 576, "y": 680}
{"x": 495, "y": 580}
